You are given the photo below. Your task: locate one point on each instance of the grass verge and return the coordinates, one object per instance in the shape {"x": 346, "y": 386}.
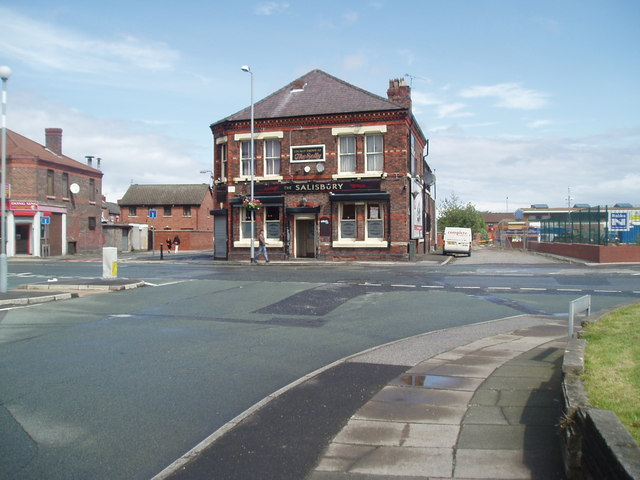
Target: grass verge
{"x": 612, "y": 365}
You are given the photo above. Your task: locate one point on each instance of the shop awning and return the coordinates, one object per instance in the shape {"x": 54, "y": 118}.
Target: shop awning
{"x": 359, "y": 197}
{"x": 298, "y": 210}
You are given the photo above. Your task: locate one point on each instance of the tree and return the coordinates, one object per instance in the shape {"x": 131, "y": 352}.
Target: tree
{"x": 452, "y": 213}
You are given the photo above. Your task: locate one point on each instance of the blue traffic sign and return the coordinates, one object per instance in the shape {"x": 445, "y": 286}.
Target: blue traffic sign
{"x": 153, "y": 213}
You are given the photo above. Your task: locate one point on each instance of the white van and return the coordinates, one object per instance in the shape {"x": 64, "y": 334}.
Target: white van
{"x": 456, "y": 240}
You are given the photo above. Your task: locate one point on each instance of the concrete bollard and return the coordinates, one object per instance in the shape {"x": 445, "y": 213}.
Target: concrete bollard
{"x": 109, "y": 262}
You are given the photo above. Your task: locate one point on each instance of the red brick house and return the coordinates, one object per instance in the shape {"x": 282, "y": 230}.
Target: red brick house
{"x": 171, "y": 210}
{"x": 54, "y": 202}
{"x": 340, "y": 173}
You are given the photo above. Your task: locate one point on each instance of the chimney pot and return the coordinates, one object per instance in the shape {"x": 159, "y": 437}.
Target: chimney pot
{"x": 399, "y": 92}
{"x": 53, "y": 140}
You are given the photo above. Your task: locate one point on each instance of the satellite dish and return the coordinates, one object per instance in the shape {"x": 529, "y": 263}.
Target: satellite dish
{"x": 74, "y": 188}
{"x": 320, "y": 167}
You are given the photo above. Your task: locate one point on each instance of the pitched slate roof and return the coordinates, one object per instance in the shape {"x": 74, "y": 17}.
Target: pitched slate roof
{"x": 20, "y": 146}
{"x": 152, "y": 195}
{"x": 316, "y": 93}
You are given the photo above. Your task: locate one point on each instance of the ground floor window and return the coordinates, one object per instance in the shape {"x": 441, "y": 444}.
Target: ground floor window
{"x": 362, "y": 222}
{"x": 267, "y": 218}
{"x": 375, "y": 225}
{"x": 245, "y": 225}
{"x": 272, "y": 222}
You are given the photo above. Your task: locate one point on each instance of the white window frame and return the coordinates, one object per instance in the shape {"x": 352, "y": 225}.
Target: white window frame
{"x": 245, "y": 158}
{"x": 369, "y": 154}
{"x": 272, "y": 162}
{"x": 342, "y": 155}
{"x": 223, "y": 161}
{"x": 260, "y": 224}
{"x": 367, "y": 242}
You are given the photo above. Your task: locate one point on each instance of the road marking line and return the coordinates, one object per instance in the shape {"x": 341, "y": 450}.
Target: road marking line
{"x": 403, "y": 286}
{"x": 534, "y": 289}
{"x": 607, "y": 291}
{"x": 498, "y": 288}
{"x": 432, "y": 286}
{"x": 469, "y": 287}
{"x": 569, "y": 289}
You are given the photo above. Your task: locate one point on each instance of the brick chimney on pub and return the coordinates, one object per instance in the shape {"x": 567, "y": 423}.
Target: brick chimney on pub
{"x": 399, "y": 92}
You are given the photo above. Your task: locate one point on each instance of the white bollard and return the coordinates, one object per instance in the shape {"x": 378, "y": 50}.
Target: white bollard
{"x": 109, "y": 262}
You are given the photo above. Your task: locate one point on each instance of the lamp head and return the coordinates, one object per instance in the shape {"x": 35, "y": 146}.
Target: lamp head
{"x": 5, "y": 72}
{"x": 245, "y": 68}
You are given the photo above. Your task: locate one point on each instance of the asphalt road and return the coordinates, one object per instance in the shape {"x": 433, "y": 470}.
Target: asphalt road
{"x": 118, "y": 385}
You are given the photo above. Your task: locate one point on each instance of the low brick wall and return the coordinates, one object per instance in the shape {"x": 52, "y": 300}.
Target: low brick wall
{"x": 592, "y": 253}
{"x": 189, "y": 239}
{"x": 595, "y": 443}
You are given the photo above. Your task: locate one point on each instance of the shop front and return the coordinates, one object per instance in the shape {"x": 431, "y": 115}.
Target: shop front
{"x": 35, "y": 229}
{"x": 325, "y": 220}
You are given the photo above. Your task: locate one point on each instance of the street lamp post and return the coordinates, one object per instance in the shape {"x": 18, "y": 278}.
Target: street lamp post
{"x": 5, "y": 73}
{"x": 245, "y": 68}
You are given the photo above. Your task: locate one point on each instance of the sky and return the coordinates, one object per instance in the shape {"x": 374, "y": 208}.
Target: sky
{"x": 523, "y": 102}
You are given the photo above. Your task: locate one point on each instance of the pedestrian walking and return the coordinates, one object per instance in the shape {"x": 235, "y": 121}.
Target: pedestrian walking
{"x": 262, "y": 247}
{"x": 169, "y": 243}
{"x": 176, "y": 243}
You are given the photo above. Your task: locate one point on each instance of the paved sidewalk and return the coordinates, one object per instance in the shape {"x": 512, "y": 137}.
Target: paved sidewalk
{"x": 485, "y": 410}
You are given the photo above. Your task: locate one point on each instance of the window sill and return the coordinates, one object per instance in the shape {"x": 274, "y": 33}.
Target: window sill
{"x": 246, "y": 243}
{"x": 358, "y": 176}
{"x": 271, "y": 178}
{"x": 361, "y": 244}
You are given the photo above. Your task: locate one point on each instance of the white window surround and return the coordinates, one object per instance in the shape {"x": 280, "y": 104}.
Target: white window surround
{"x": 371, "y": 243}
{"x": 358, "y": 176}
{"x": 239, "y": 137}
{"x": 367, "y": 242}
{"x": 221, "y": 140}
{"x": 269, "y": 178}
{"x": 362, "y": 130}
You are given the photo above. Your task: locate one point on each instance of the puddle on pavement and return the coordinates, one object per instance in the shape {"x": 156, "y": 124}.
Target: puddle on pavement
{"x": 431, "y": 381}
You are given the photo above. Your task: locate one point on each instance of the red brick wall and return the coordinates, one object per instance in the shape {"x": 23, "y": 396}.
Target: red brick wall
{"x": 592, "y": 253}
{"x": 28, "y": 178}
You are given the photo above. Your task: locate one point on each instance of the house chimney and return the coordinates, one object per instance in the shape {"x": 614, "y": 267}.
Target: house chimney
{"x": 399, "y": 92}
{"x": 53, "y": 140}
{"x": 89, "y": 160}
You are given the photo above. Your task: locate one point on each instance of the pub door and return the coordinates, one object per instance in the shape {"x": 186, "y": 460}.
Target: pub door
{"x": 305, "y": 238}
{"x": 220, "y": 237}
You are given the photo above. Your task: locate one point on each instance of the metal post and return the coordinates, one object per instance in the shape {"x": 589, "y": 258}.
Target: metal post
{"x": 246, "y": 68}
{"x": 5, "y": 73}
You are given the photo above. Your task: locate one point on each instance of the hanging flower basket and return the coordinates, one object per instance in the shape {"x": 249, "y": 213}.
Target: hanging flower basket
{"x": 252, "y": 205}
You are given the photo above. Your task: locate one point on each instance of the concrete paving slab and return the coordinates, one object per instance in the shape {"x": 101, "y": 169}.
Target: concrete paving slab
{"x": 411, "y": 413}
{"x": 469, "y": 371}
{"x": 441, "y": 382}
{"x": 428, "y": 396}
{"x": 390, "y": 434}
{"x": 506, "y": 437}
{"x": 417, "y": 462}
{"x": 505, "y": 464}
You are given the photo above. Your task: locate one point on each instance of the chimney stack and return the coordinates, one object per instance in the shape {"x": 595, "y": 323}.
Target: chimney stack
{"x": 89, "y": 160}
{"x": 53, "y": 140}
{"x": 399, "y": 92}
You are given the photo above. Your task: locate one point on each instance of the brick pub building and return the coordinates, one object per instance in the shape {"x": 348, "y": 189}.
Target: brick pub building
{"x": 340, "y": 172}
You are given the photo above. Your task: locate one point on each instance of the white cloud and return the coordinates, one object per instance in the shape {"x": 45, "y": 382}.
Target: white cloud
{"x": 355, "y": 61}
{"x": 129, "y": 151}
{"x": 46, "y": 47}
{"x": 539, "y": 123}
{"x": 509, "y": 95}
{"x": 270, "y": 8}
{"x": 485, "y": 171}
